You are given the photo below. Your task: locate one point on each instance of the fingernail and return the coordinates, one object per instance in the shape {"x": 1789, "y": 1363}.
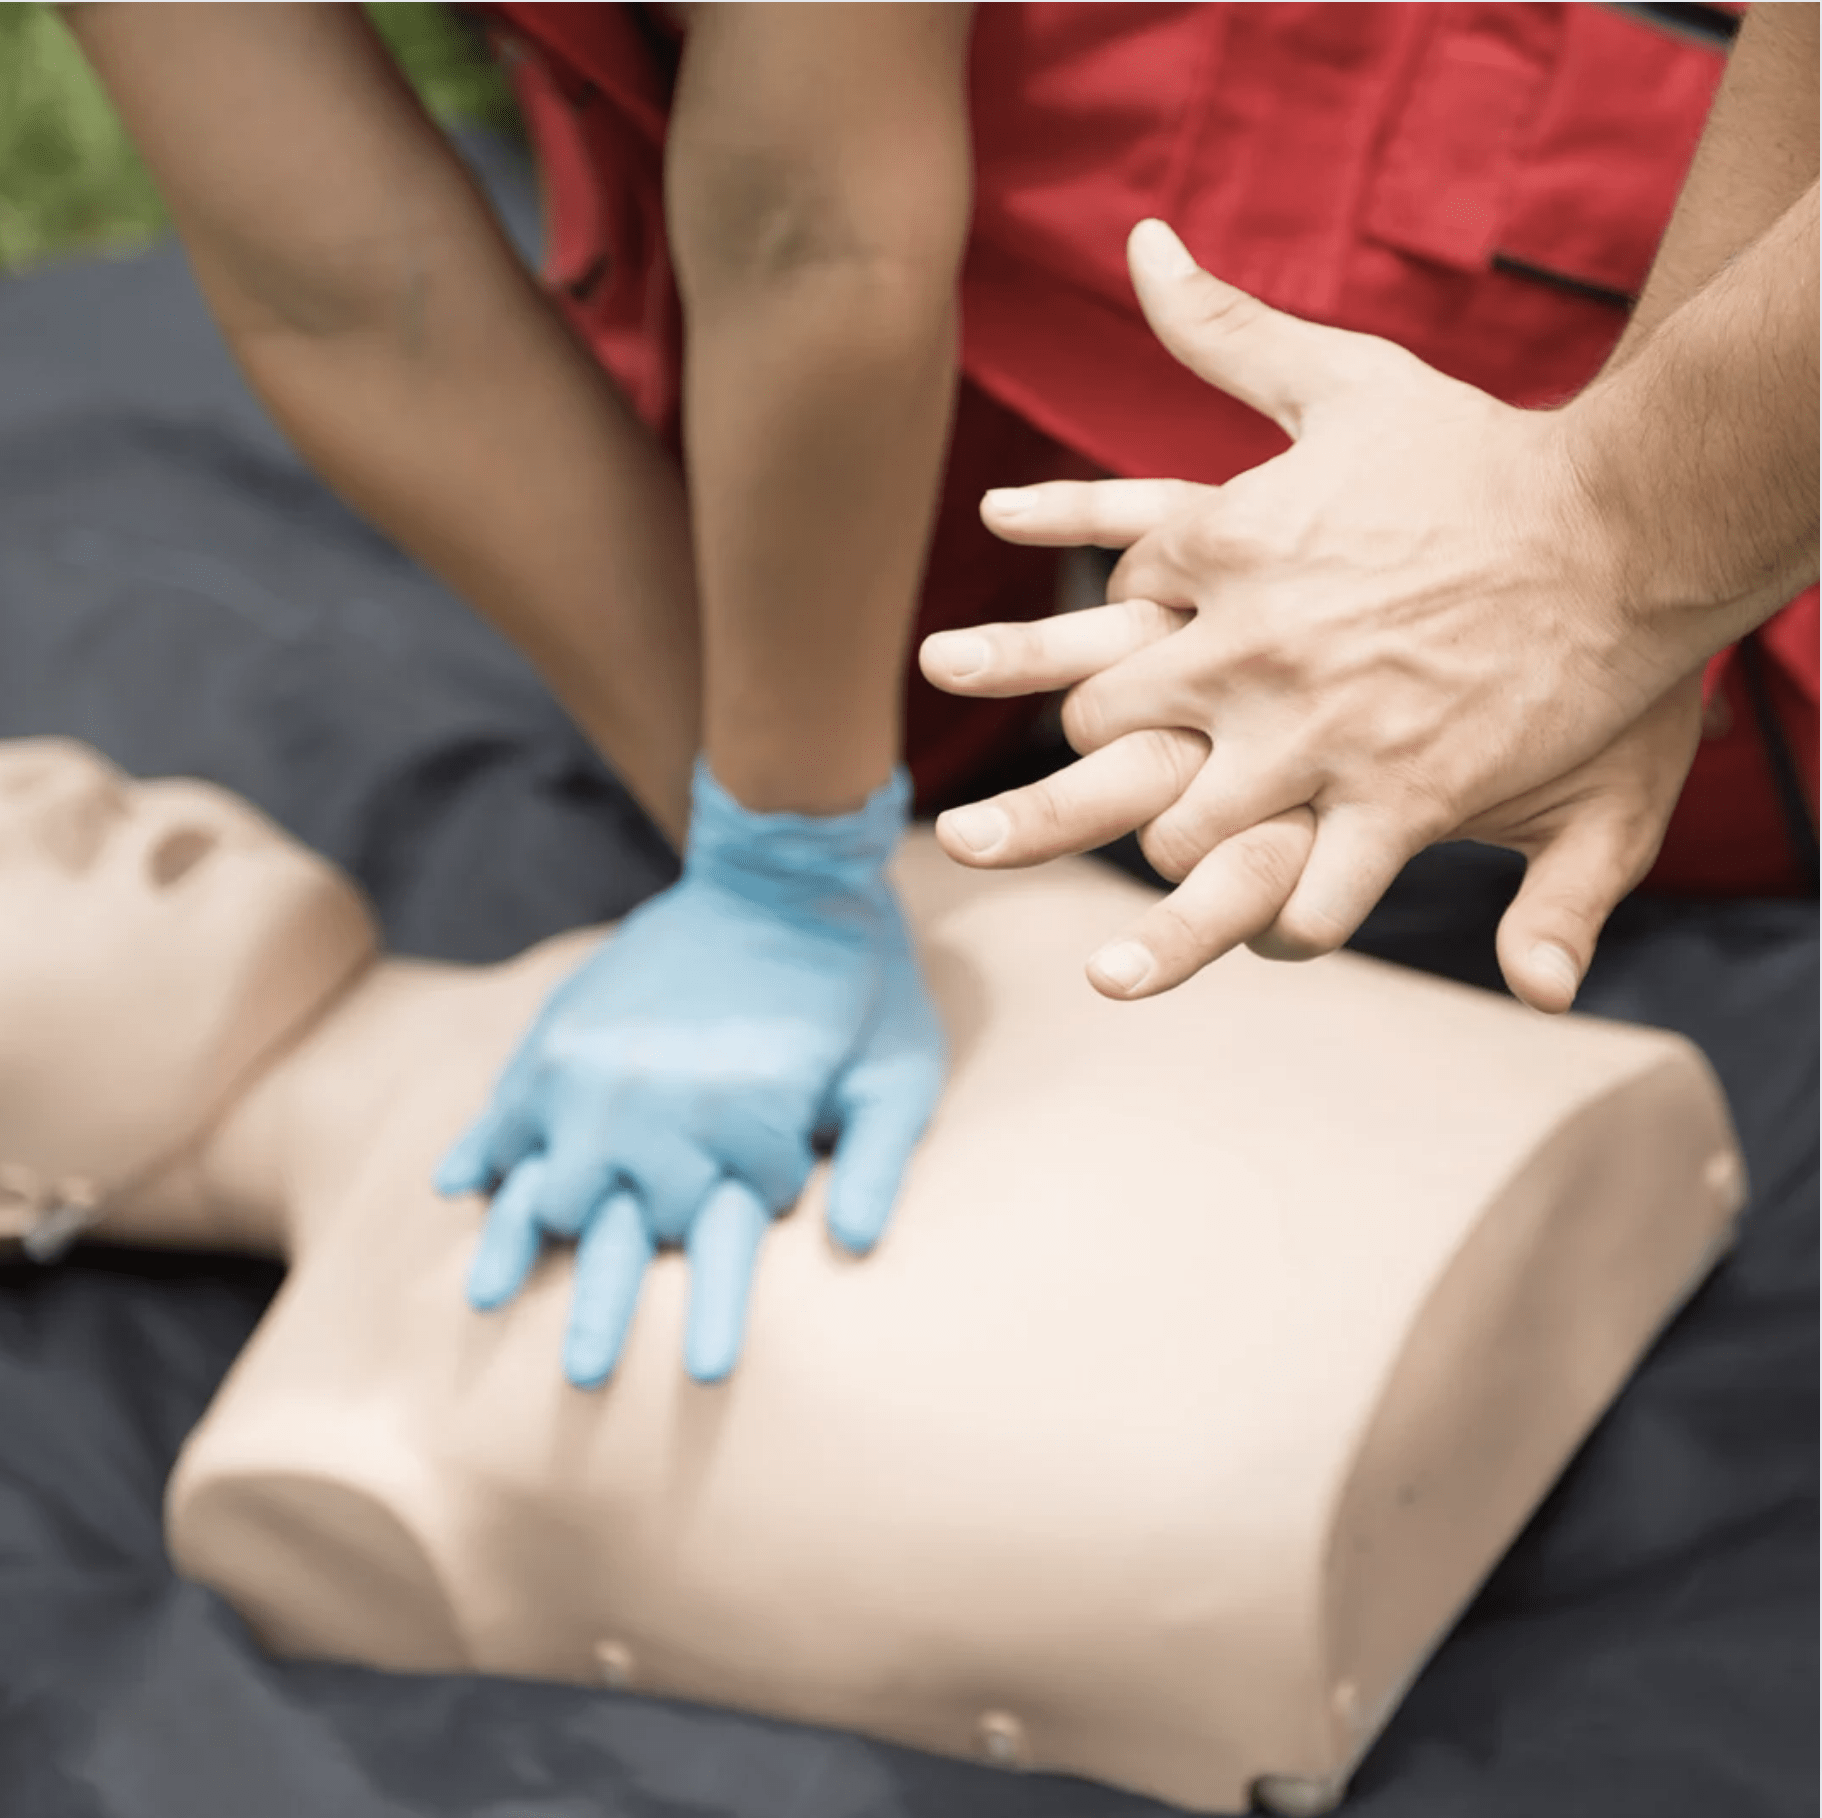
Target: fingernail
{"x": 1557, "y": 964}
{"x": 1155, "y": 246}
{"x": 961, "y": 653}
{"x": 1005, "y": 502}
{"x": 1126, "y": 965}
{"x": 979, "y": 827}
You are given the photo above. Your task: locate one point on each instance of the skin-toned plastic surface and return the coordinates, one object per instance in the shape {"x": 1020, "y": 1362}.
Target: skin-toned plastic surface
{"x": 1220, "y": 1345}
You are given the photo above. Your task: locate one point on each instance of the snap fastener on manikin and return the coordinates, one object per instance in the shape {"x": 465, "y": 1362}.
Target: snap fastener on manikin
{"x": 1001, "y": 1739}
{"x": 614, "y": 1664}
{"x": 1723, "y": 1175}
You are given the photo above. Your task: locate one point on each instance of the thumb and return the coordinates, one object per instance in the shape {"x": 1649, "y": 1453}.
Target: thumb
{"x": 1249, "y": 350}
{"x": 1572, "y": 884}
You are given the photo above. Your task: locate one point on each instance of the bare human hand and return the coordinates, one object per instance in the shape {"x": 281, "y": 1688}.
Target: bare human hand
{"x": 1409, "y": 627}
{"x": 1588, "y": 836}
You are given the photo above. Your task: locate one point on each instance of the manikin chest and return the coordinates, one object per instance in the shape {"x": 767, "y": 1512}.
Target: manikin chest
{"x": 1219, "y": 1347}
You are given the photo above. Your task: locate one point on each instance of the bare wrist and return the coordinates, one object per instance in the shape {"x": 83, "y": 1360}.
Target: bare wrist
{"x": 1671, "y": 603}
{"x": 771, "y": 776}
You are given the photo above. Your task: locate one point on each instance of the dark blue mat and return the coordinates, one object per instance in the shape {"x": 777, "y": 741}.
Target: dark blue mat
{"x": 174, "y": 589}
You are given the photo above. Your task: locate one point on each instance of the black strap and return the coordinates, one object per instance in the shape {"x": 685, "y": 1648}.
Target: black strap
{"x": 1705, "y": 24}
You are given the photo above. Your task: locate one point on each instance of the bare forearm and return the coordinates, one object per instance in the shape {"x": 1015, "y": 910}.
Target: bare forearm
{"x": 1699, "y": 453}
{"x": 1757, "y": 156}
{"x": 373, "y": 304}
{"x": 817, "y": 418}
{"x": 480, "y": 438}
{"x": 1697, "y": 446}
{"x": 817, "y": 192}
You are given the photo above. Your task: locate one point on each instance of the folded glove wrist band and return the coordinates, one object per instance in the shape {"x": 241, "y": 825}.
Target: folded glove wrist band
{"x": 786, "y": 860}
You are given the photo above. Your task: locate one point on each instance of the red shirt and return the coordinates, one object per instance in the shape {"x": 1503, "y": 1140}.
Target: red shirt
{"x": 1485, "y": 184}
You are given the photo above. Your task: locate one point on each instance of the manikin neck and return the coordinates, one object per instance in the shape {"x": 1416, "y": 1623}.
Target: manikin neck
{"x": 283, "y": 1153}
{"x": 242, "y": 1187}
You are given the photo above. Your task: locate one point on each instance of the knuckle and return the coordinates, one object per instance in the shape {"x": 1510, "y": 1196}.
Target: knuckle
{"x": 1208, "y": 307}
{"x": 1169, "y": 849}
{"x": 1152, "y": 622}
{"x": 1137, "y": 575}
{"x": 1173, "y": 936}
{"x": 1640, "y": 853}
{"x": 1174, "y": 753}
{"x": 1012, "y": 647}
{"x": 1041, "y": 816}
{"x": 1241, "y": 539}
{"x": 1407, "y": 798}
{"x": 1084, "y": 720}
{"x": 1417, "y": 817}
{"x": 1298, "y": 934}
{"x": 1264, "y": 858}
{"x": 1103, "y": 517}
{"x": 1275, "y": 944}
{"x": 1199, "y": 542}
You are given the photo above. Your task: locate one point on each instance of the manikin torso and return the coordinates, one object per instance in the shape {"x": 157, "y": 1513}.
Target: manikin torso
{"x": 1219, "y": 1346}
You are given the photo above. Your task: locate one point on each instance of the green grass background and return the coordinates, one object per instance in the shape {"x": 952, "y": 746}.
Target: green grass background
{"x": 70, "y": 180}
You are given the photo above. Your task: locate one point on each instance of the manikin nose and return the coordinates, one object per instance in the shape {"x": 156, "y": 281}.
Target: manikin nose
{"x": 176, "y": 853}
{"x": 65, "y": 802}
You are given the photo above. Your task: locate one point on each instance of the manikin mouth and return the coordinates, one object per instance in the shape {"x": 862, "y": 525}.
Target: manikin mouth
{"x": 175, "y": 855}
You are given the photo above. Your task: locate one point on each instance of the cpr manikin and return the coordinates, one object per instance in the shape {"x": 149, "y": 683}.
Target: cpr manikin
{"x": 1220, "y": 1344}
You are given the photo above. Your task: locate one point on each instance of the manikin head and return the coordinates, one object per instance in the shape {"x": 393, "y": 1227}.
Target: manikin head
{"x": 158, "y": 942}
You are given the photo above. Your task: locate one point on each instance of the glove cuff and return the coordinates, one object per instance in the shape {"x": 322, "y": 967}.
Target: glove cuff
{"x": 783, "y": 857}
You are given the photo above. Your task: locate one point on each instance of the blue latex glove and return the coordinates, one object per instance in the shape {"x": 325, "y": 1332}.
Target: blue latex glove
{"x": 670, "y": 1088}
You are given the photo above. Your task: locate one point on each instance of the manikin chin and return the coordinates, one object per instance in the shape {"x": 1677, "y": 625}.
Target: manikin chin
{"x": 1219, "y": 1346}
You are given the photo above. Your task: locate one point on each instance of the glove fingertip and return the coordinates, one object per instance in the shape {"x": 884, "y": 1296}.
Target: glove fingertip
{"x": 610, "y": 1266}
{"x": 500, "y": 1268}
{"x": 464, "y": 1167}
{"x": 723, "y": 1248}
{"x": 584, "y": 1366}
{"x": 490, "y": 1283}
{"x": 510, "y": 1239}
{"x": 869, "y": 1168}
{"x": 858, "y": 1229}
{"x": 710, "y": 1358}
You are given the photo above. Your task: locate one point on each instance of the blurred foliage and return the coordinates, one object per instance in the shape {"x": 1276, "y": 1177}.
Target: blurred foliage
{"x": 448, "y": 65}
{"x": 70, "y": 180}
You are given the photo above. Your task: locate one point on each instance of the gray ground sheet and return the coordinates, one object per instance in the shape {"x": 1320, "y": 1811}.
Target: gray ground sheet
{"x": 174, "y": 588}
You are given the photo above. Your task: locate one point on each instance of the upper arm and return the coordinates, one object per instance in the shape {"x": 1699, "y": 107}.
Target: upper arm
{"x": 805, "y": 134}
{"x": 305, "y": 179}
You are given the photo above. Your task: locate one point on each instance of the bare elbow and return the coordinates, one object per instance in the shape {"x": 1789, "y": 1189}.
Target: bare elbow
{"x": 389, "y": 291}
{"x": 741, "y": 221}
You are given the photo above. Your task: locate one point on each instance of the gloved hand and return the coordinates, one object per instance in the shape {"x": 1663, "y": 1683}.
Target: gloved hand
{"x": 670, "y": 1088}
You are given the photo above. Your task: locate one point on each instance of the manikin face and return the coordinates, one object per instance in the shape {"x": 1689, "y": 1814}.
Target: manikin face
{"x": 157, "y": 942}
